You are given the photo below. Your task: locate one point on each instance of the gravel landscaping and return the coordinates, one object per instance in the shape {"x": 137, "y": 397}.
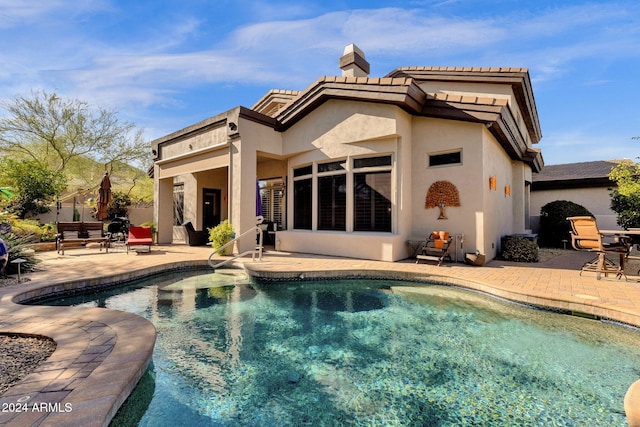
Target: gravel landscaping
{"x": 19, "y": 356}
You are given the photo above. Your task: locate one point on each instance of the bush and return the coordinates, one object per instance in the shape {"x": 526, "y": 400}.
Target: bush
{"x": 32, "y": 231}
{"x": 220, "y": 235}
{"x": 27, "y": 229}
{"x": 48, "y": 232}
{"x": 554, "y": 226}
{"x": 17, "y": 246}
{"x": 119, "y": 206}
{"x": 519, "y": 249}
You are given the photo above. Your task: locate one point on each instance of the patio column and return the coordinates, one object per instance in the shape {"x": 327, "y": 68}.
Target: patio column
{"x": 163, "y": 209}
{"x": 242, "y": 192}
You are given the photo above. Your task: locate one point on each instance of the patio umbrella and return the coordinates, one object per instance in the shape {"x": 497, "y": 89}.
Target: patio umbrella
{"x": 104, "y": 197}
{"x": 258, "y": 200}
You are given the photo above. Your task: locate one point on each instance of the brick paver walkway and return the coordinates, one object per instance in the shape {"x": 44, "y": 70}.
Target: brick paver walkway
{"x": 101, "y": 354}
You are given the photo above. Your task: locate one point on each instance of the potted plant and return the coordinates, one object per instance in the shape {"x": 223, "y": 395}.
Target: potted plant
{"x": 220, "y": 235}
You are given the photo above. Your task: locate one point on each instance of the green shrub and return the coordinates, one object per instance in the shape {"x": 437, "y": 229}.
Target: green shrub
{"x": 27, "y": 229}
{"x": 220, "y": 235}
{"x": 48, "y": 232}
{"x": 32, "y": 230}
{"x": 17, "y": 246}
{"x": 519, "y": 249}
{"x": 554, "y": 227}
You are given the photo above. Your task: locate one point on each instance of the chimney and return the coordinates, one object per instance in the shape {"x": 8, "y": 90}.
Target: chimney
{"x": 352, "y": 62}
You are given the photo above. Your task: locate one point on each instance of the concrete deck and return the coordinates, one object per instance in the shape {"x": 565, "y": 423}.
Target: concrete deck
{"x": 101, "y": 354}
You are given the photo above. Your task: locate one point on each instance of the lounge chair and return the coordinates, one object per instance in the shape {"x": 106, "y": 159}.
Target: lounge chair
{"x": 195, "y": 237}
{"x": 139, "y": 236}
{"x": 585, "y": 236}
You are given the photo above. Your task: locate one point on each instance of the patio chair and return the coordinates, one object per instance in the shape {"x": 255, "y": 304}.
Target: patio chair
{"x": 195, "y": 237}
{"x": 585, "y": 236}
{"x": 139, "y": 236}
{"x": 435, "y": 248}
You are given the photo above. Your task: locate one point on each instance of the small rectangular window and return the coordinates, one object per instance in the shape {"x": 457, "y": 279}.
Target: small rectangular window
{"x": 330, "y": 167}
{"x": 370, "y": 162}
{"x": 451, "y": 158}
{"x": 306, "y": 170}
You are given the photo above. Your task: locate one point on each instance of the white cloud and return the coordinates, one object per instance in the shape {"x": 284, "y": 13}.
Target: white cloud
{"x": 14, "y": 13}
{"x": 156, "y": 68}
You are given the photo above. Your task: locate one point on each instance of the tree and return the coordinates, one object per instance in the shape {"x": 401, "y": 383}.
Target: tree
{"x": 54, "y": 131}
{"x": 35, "y": 185}
{"x": 119, "y": 206}
{"x": 554, "y": 227}
{"x": 625, "y": 199}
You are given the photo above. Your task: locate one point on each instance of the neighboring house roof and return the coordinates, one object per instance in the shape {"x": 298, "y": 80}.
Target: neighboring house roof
{"x": 574, "y": 175}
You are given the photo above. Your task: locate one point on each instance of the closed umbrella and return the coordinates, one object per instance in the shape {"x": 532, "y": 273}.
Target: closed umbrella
{"x": 258, "y": 200}
{"x": 104, "y": 197}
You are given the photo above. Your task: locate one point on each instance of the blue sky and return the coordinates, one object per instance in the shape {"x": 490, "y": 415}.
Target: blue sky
{"x": 167, "y": 64}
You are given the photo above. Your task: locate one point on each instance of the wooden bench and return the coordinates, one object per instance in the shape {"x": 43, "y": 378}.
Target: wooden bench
{"x": 435, "y": 249}
{"x": 81, "y": 232}
{"x": 139, "y": 236}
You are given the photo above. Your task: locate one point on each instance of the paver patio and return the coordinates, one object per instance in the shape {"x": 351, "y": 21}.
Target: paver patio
{"x": 101, "y": 354}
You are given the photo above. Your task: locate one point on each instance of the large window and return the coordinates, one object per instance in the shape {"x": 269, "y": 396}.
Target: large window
{"x": 272, "y": 198}
{"x": 372, "y": 194}
{"x": 302, "y": 202}
{"x": 332, "y": 196}
{"x": 178, "y": 204}
{"x": 369, "y": 205}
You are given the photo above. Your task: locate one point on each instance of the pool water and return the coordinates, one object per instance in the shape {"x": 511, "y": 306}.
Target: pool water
{"x": 366, "y": 353}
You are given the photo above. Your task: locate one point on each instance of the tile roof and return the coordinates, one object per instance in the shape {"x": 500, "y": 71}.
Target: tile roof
{"x": 574, "y": 175}
{"x": 570, "y": 171}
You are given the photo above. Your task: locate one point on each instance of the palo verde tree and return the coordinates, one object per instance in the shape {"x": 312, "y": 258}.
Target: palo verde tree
{"x": 56, "y": 131}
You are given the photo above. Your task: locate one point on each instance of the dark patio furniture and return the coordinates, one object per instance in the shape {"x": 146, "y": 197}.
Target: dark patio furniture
{"x": 195, "y": 237}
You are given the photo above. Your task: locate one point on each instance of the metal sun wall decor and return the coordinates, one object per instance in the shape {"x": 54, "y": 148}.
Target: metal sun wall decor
{"x": 442, "y": 194}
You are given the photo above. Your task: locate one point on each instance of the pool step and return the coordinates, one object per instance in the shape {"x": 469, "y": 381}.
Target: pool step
{"x": 231, "y": 271}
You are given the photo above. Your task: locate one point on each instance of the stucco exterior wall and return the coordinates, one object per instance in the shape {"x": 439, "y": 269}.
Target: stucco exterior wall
{"x": 597, "y": 200}
{"x": 434, "y": 136}
{"x": 343, "y": 130}
{"x": 498, "y": 207}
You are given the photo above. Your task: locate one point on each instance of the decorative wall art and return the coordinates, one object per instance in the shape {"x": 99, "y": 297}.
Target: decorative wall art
{"x": 442, "y": 194}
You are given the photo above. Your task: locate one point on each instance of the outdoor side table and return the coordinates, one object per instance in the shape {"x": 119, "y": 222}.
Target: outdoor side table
{"x": 18, "y": 261}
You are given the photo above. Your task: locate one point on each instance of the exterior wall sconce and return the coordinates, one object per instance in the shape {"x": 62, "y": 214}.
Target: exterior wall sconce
{"x": 507, "y": 190}
{"x": 492, "y": 183}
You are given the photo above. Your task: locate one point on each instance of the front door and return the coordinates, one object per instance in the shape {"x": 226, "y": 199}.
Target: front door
{"x": 210, "y": 207}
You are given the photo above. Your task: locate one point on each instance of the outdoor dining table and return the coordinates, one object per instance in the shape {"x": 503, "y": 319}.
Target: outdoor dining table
{"x": 617, "y": 234}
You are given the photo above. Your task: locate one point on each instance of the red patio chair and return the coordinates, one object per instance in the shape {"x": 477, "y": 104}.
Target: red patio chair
{"x": 139, "y": 236}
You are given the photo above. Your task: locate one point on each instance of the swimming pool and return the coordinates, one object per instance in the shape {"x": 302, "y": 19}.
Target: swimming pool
{"x": 363, "y": 352}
